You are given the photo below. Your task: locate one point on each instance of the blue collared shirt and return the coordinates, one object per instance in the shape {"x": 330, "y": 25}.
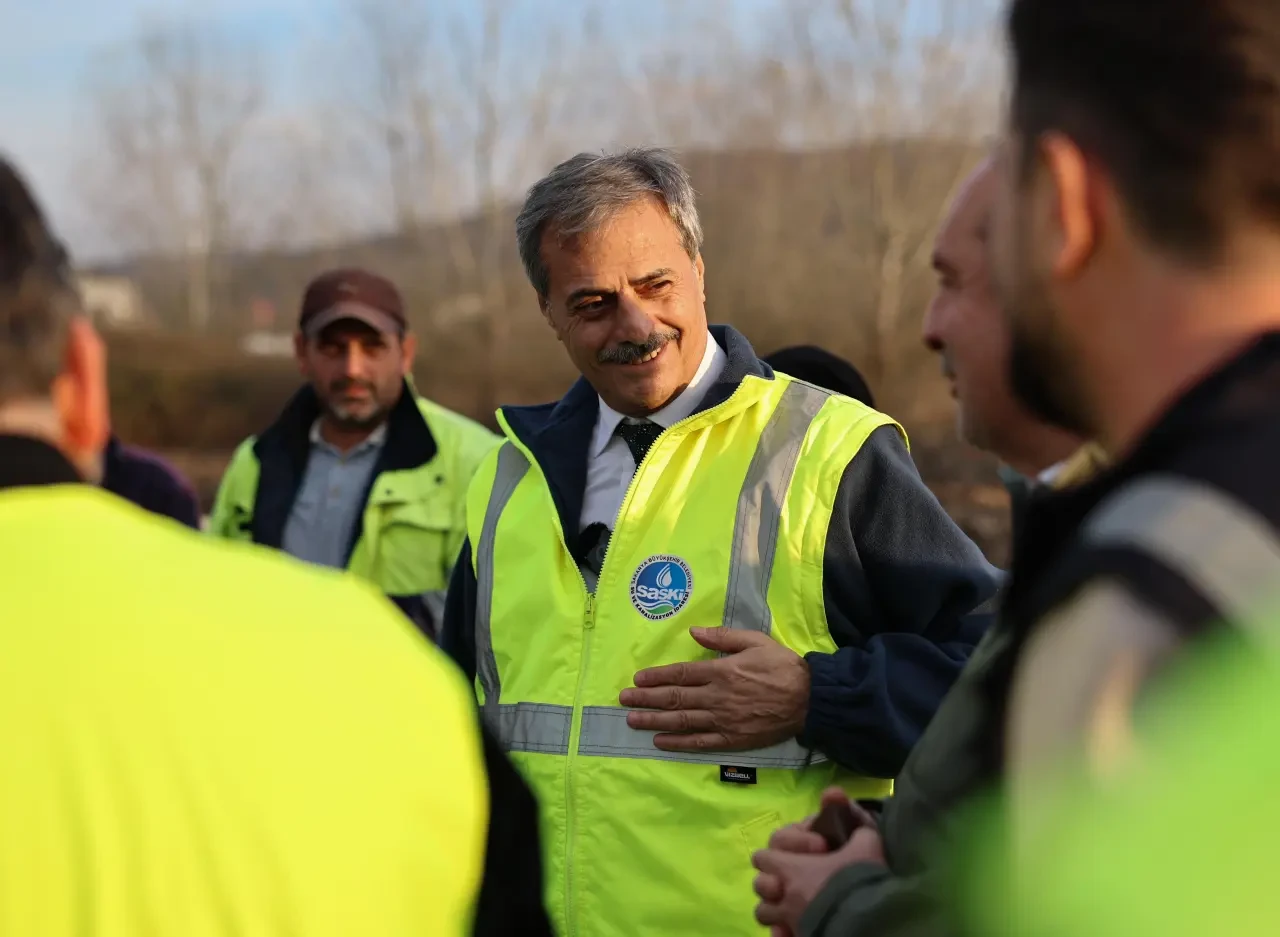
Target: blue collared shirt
{"x": 331, "y": 499}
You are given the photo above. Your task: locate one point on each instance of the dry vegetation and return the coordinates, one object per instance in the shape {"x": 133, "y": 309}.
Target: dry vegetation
{"x": 824, "y": 144}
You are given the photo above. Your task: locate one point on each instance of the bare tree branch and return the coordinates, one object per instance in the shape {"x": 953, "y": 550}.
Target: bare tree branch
{"x": 174, "y": 110}
{"x": 395, "y": 42}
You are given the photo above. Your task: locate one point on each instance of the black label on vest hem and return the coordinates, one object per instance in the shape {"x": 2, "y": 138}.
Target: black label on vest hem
{"x": 733, "y": 775}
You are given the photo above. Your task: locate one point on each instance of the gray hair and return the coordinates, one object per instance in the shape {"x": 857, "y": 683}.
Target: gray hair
{"x": 38, "y": 297}
{"x": 582, "y": 193}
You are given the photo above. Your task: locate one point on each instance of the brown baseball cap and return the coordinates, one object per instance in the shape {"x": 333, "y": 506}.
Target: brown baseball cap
{"x": 352, "y": 293}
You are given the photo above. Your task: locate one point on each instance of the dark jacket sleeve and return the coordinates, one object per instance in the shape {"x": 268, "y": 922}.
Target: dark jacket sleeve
{"x": 150, "y": 483}
{"x": 869, "y": 899}
{"x": 511, "y": 896}
{"x": 186, "y": 506}
{"x": 415, "y": 608}
{"x": 182, "y": 505}
{"x": 457, "y": 632}
{"x": 905, "y": 591}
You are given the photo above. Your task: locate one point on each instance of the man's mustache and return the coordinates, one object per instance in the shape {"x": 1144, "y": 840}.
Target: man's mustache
{"x": 346, "y": 384}
{"x": 631, "y": 352}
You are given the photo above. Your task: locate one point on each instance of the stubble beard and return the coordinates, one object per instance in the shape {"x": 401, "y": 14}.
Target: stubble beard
{"x": 1041, "y": 371}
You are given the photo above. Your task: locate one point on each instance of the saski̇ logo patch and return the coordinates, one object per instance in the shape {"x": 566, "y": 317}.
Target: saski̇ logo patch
{"x": 661, "y": 586}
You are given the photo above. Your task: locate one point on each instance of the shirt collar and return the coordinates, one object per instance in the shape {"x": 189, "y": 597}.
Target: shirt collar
{"x": 681, "y": 407}
{"x": 375, "y": 439}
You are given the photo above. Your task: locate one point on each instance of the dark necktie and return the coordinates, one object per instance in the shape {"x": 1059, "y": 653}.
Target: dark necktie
{"x": 592, "y": 544}
{"x": 639, "y": 437}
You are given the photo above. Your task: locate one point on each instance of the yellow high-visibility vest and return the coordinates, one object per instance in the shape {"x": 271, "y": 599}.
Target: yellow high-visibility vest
{"x": 206, "y": 738}
{"x": 412, "y": 526}
{"x": 724, "y": 523}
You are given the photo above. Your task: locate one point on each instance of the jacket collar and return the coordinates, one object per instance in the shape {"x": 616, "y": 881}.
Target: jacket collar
{"x": 26, "y": 461}
{"x": 559, "y": 434}
{"x": 409, "y": 439}
{"x": 284, "y": 447}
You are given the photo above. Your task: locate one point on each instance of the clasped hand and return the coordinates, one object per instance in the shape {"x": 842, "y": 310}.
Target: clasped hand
{"x": 797, "y": 865}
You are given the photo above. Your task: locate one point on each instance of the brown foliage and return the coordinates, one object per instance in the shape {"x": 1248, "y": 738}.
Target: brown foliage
{"x": 178, "y": 391}
{"x": 801, "y": 260}
{"x": 195, "y": 399}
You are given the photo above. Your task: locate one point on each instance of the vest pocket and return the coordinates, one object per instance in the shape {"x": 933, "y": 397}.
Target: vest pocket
{"x": 422, "y": 515}
{"x": 755, "y": 835}
{"x": 411, "y": 543}
{"x": 241, "y": 521}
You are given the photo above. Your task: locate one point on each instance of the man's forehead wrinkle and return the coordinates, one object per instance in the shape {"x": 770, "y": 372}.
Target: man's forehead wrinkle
{"x": 597, "y": 285}
{"x": 630, "y": 249}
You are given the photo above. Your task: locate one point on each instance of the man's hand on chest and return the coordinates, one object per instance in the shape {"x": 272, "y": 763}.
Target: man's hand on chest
{"x": 755, "y": 696}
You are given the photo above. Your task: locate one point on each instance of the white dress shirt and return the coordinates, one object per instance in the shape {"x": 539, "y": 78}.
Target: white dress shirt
{"x": 610, "y": 465}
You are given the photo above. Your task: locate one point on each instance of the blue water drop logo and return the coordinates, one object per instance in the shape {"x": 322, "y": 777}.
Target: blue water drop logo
{"x": 661, "y": 587}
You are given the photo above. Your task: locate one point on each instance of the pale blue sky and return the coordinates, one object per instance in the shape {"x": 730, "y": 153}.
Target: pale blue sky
{"x": 48, "y": 49}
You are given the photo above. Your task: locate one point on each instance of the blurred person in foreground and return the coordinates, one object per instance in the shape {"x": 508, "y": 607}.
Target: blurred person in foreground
{"x": 149, "y": 482}
{"x": 1125, "y": 858}
{"x": 782, "y": 604}
{"x": 823, "y": 368}
{"x": 966, "y": 329}
{"x": 1136, "y": 246}
{"x": 888, "y": 880}
{"x": 358, "y": 472}
{"x": 200, "y": 737}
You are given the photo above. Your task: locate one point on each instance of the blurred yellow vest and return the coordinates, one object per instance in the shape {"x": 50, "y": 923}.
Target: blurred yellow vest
{"x": 208, "y": 739}
{"x": 1183, "y": 844}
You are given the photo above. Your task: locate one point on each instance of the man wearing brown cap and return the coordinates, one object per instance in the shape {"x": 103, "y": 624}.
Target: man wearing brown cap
{"x": 359, "y": 472}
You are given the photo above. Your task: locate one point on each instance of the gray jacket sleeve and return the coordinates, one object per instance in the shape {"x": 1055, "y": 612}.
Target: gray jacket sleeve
{"x": 870, "y": 900}
{"x": 908, "y": 596}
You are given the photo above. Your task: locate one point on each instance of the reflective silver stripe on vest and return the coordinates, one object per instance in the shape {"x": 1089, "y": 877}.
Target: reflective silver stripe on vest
{"x": 605, "y": 732}
{"x": 512, "y": 466}
{"x": 755, "y": 529}
{"x": 1220, "y": 546}
{"x": 531, "y": 727}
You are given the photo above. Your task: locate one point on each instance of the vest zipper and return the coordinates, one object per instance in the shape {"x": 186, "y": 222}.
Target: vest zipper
{"x": 588, "y": 625}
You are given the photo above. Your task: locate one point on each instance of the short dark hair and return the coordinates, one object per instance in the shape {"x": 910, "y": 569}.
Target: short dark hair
{"x": 1179, "y": 99}
{"x": 38, "y": 296}
{"x": 823, "y": 368}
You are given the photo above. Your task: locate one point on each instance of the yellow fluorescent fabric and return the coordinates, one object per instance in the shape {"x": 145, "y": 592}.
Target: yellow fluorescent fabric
{"x": 1182, "y": 845}
{"x": 414, "y": 522}
{"x": 725, "y": 523}
{"x": 205, "y": 738}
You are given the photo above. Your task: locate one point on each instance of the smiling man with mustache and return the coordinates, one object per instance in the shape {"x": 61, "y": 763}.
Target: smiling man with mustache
{"x": 695, "y": 590}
